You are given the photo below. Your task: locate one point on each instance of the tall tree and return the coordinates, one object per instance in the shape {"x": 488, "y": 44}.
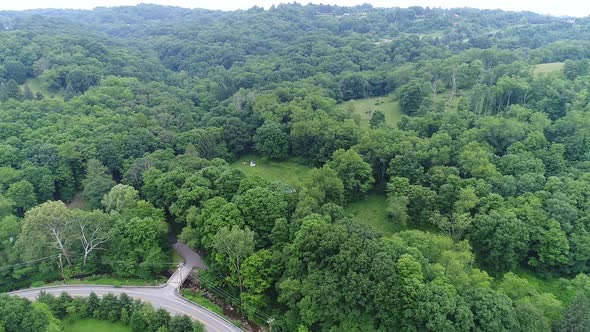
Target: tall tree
{"x": 22, "y": 193}
{"x": 120, "y": 197}
{"x": 412, "y": 96}
{"x": 576, "y": 318}
{"x": 235, "y": 245}
{"x": 271, "y": 141}
{"x": 136, "y": 245}
{"x": 46, "y": 227}
{"x": 260, "y": 208}
{"x": 97, "y": 183}
{"x": 377, "y": 120}
{"x": 93, "y": 229}
{"x": 355, "y": 173}
{"x": 501, "y": 239}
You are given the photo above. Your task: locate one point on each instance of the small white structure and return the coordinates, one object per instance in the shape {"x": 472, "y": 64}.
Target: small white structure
{"x": 252, "y": 163}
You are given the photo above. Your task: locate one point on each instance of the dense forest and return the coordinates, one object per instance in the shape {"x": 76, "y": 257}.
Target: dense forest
{"x": 120, "y": 129}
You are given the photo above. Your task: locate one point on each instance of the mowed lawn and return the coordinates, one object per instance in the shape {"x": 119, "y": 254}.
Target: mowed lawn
{"x": 288, "y": 172}
{"x": 546, "y": 68}
{"x": 364, "y": 108}
{"x": 93, "y": 325}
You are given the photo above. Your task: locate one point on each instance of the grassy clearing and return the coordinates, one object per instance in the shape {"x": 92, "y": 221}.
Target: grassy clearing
{"x": 373, "y": 211}
{"x": 363, "y": 109}
{"x": 560, "y": 287}
{"x": 546, "y": 68}
{"x": 434, "y": 34}
{"x": 35, "y": 86}
{"x": 93, "y": 325}
{"x": 289, "y": 171}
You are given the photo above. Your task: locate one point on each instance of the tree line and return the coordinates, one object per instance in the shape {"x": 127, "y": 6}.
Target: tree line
{"x": 141, "y": 115}
{"x": 48, "y": 312}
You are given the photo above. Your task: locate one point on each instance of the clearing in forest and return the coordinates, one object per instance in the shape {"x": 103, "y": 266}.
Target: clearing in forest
{"x": 35, "y": 85}
{"x": 288, "y": 171}
{"x": 372, "y": 211}
{"x": 546, "y": 68}
{"x": 362, "y": 109}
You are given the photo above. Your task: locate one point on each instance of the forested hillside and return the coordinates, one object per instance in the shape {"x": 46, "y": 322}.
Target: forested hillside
{"x": 121, "y": 128}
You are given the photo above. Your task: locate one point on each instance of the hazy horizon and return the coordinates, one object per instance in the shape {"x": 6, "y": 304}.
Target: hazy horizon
{"x": 561, "y": 8}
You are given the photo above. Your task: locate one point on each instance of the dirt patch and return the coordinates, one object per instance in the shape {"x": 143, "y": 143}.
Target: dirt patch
{"x": 78, "y": 202}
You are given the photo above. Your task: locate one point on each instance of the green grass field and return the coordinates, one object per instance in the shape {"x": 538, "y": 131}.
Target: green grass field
{"x": 35, "y": 86}
{"x": 289, "y": 172}
{"x": 364, "y": 108}
{"x": 93, "y": 325}
{"x": 373, "y": 211}
{"x": 546, "y": 68}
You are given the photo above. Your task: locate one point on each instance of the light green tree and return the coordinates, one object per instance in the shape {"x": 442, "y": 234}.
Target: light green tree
{"x": 233, "y": 247}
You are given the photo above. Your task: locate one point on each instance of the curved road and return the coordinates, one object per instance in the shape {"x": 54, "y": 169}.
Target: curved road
{"x": 165, "y": 296}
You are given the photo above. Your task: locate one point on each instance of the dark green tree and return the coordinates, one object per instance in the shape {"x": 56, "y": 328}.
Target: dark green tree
{"x": 181, "y": 323}
{"x": 27, "y": 93}
{"x": 355, "y": 173}
{"x": 260, "y": 208}
{"x": 377, "y": 119}
{"x": 412, "y": 95}
{"x": 97, "y": 184}
{"x": 501, "y": 239}
{"x": 92, "y": 305}
{"x": 576, "y": 317}
{"x": 271, "y": 141}
{"x": 22, "y": 193}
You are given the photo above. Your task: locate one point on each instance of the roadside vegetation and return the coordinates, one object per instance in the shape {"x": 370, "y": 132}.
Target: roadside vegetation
{"x": 104, "y": 280}
{"x": 92, "y": 314}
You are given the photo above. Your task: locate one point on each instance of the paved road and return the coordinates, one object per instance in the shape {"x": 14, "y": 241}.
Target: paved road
{"x": 191, "y": 260}
{"x": 164, "y": 296}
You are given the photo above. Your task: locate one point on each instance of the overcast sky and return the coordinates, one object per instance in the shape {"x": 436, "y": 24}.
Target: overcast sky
{"x": 562, "y": 7}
